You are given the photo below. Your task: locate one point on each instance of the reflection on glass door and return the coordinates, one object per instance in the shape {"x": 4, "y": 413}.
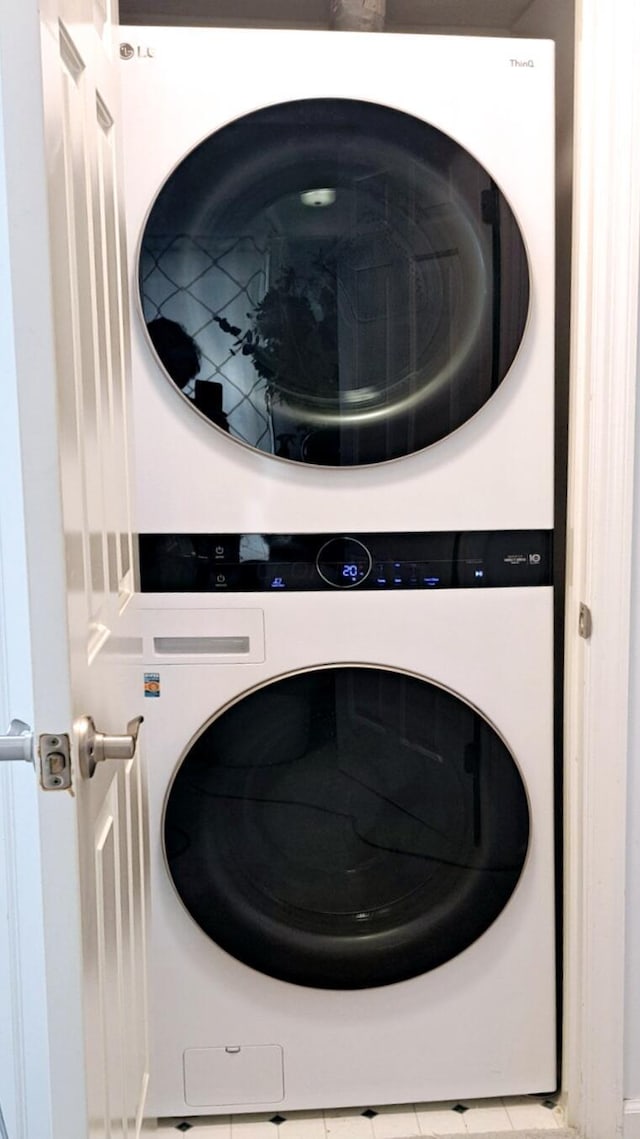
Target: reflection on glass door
{"x": 333, "y": 282}
{"x": 346, "y": 827}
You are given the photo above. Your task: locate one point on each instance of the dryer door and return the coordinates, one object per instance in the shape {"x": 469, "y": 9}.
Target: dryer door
{"x": 346, "y": 827}
{"x": 333, "y": 282}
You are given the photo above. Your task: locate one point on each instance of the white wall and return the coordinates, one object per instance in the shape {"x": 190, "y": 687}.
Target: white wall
{"x": 632, "y": 999}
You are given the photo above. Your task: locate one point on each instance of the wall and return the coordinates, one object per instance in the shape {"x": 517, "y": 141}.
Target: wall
{"x": 632, "y": 1001}
{"x": 481, "y": 16}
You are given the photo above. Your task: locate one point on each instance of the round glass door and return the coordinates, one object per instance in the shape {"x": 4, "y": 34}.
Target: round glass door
{"x": 346, "y": 828}
{"x": 333, "y": 282}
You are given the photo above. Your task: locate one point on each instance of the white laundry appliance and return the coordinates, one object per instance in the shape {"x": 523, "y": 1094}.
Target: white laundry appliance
{"x": 342, "y": 267}
{"x": 351, "y": 790}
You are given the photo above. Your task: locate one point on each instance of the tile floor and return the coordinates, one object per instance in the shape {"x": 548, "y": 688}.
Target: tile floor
{"x": 530, "y": 1117}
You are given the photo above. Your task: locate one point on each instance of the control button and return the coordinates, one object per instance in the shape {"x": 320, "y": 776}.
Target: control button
{"x": 273, "y": 576}
{"x": 397, "y": 577}
{"x": 224, "y": 576}
{"x": 381, "y": 577}
{"x": 343, "y": 562}
{"x": 399, "y": 574}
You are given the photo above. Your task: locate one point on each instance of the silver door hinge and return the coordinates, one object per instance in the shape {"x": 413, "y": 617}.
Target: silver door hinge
{"x": 585, "y": 623}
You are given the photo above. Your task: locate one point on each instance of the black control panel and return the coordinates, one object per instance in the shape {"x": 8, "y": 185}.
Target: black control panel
{"x": 281, "y": 563}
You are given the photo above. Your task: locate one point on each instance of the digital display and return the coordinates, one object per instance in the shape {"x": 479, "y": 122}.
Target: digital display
{"x": 343, "y": 562}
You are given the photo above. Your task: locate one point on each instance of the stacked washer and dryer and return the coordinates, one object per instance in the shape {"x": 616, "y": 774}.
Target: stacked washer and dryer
{"x": 342, "y": 252}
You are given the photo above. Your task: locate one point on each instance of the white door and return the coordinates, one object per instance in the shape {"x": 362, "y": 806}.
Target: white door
{"x": 74, "y": 1063}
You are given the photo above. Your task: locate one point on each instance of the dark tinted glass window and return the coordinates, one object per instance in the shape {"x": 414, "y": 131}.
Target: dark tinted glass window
{"x": 346, "y": 828}
{"x": 333, "y": 282}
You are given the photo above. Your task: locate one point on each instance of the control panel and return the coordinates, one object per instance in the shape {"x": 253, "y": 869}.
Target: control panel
{"x": 280, "y": 563}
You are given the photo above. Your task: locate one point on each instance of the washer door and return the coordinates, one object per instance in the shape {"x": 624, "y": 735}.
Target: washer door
{"x": 333, "y": 282}
{"x": 346, "y": 827}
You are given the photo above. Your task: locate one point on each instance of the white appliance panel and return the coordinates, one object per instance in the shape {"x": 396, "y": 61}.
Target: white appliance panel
{"x": 495, "y": 98}
{"x": 483, "y": 1024}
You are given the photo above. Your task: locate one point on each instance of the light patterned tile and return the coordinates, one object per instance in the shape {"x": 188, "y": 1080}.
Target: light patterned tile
{"x": 559, "y": 1115}
{"x": 394, "y": 1122}
{"x": 489, "y": 1118}
{"x": 348, "y": 1123}
{"x": 527, "y": 1113}
{"x": 253, "y": 1126}
{"x": 486, "y": 1115}
{"x": 302, "y": 1125}
{"x": 439, "y": 1119}
{"x": 209, "y": 1127}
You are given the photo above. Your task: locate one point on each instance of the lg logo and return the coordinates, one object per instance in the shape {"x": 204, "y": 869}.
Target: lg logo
{"x": 128, "y": 51}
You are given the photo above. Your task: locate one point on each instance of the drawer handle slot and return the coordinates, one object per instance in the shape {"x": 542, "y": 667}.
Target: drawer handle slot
{"x": 201, "y": 646}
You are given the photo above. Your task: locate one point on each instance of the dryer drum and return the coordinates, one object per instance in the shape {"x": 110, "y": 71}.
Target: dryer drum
{"x": 346, "y": 827}
{"x": 333, "y": 282}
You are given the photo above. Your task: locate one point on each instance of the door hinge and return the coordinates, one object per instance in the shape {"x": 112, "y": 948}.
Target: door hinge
{"x": 585, "y": 624}
{"x": 55, "y": 763}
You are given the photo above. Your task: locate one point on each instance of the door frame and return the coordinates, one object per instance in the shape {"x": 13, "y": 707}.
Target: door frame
{"x": 24, "y": 1055}
{"x": 603, "y": 378}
